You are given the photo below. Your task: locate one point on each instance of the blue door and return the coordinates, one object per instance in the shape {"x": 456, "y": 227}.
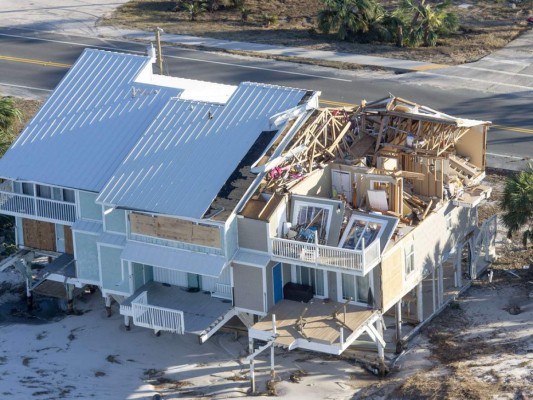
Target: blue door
{"x": 277, "y": 283}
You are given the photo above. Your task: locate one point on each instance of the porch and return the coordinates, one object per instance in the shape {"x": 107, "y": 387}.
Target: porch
{"x": 320, "y": 325}
{"x": 21, "y": 205}
{"x": 317, "y": 255}
{"x": 175, "y": 309}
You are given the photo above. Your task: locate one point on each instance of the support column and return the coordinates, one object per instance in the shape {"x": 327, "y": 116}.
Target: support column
{"x": 440, "y": 285}
{"x": 381, "y": 349}
{"x": 69, "y": 288}
{"x": 274, "y": 332}
{"x": 420, "y": 301}
{"x": 29, "y": 296}
{"x": 433, "y": 290}
{"x": 458, "y": 265}
{"x": 398, "y": 314}
{"x": 108, "y": 306}
{"x": 127, "y": 322}
{"x": 252, "y": 372}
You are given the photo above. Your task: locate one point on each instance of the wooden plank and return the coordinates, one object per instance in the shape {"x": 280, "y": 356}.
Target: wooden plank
{"x": 69, "y": 244}
{"x": 392, "y": 277}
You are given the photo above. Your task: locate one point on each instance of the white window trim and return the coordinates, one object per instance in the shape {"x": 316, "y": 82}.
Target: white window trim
{"x": 300, "y": 203}
{"x": 367, "y": 220}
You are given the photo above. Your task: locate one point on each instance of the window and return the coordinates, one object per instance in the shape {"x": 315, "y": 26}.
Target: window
{"x": 311, "y": 277}
{"x": 355, "y": 288}
{"x": 44, "y": 191}
{"x": 27, "y": 188}
{"x": 448, "y": 218}
{"x": 311, "y": 220}
{"x": 409, "y": 258}
{"x": 360, "y": 233}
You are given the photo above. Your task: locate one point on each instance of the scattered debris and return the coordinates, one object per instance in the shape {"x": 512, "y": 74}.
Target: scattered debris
{"x": 112, "y": 358}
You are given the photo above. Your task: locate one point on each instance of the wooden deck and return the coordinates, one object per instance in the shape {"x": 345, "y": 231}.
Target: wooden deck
{"x": 319, "y": 325}
{"x": 199, "y": 309}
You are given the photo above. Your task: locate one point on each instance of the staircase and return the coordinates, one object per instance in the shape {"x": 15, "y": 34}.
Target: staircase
{"x": 216, "y": 325}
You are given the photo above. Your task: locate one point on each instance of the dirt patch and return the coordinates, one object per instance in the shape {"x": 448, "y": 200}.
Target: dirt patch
{"x": 485, "y": 26}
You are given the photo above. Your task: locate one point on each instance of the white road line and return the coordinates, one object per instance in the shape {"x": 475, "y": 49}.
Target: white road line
{"x": 501, "y": 61}
{"x": 177, "y": 57}
{"x": 508, "y": 156}
{"x": 472, "y": 80}
{"x": 495, "y": 71}
{"x": 24, "y": 87}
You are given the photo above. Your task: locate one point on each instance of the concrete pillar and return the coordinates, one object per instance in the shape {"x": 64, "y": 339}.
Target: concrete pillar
{"x": 29, "y": 296}
{"x": 398, "y": 315}
{"x": 252, "y": 372}
{"x": 69, "y": 288}
{"x": 108, "y": 306}
{"x": 440, "y": 285}
{"x": 127, "y": 322}
{"x": 433, "y": 290}
{"x": 420, "y": 302}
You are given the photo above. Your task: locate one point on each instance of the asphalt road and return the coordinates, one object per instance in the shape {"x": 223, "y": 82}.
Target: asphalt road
{"x": 38, "y": 61}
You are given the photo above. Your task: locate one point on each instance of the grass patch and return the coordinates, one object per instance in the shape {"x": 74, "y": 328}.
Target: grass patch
{"x": 484, "y": 27}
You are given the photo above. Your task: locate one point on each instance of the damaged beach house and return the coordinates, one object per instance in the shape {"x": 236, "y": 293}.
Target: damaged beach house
{"x": 196, "y": 206}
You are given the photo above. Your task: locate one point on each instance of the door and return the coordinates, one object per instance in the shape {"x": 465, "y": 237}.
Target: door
{"x": 194, "y": 282}
{"x": 277, "y": 283}
{"x": 342, "y": 184}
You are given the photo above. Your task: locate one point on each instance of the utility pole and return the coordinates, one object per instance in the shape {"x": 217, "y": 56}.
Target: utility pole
{"x": 158, "y": 32}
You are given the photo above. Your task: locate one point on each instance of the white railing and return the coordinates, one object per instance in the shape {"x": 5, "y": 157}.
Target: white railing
{"x": 222, "y": 291}
{"x": 327, "y": 256}
{"x": 157, "y": 318}
{"x": 21, "y": 204}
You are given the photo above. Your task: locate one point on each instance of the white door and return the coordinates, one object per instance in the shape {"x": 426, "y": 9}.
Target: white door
{"x": 342, "y": 184}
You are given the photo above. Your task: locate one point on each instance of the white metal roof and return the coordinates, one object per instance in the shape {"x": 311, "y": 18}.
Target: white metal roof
{"x": 88, "y": 125}
{"x": 184, "y": 159}
{"x": 175, "y": 259}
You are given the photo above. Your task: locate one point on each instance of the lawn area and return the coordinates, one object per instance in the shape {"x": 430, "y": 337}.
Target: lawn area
{"x": 485, "y": 26}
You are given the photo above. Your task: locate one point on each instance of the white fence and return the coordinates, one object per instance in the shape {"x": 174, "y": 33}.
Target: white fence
{"x": 157, "y": 318}
{"x": 327, "y": 256}
{"x": 21, "y": 204}
{"x": 222, "y": 291}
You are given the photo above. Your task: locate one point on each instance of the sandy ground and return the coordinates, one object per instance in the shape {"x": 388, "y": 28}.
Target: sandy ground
{"x": 92, "y": 356}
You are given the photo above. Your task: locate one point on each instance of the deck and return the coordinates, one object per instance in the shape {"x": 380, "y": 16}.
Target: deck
{"x": 199, "y": 309}
{"x": 318, "y": 326}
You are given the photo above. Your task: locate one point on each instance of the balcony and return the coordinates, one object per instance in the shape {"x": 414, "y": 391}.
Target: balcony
{"x": 21, "y": 205}
{"x": 321, "y": 256}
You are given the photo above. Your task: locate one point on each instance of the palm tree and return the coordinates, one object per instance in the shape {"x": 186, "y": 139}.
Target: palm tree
{"x": 517, "y": 204}
{"x": 349, "y": 17}
{"x": 9, "y": 113}
{"x": 429, "y": 21}
{"x": 195, "y": 9}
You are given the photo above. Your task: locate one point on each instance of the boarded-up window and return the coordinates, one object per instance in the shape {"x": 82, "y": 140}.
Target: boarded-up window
{"x": 39, "y": 235}
{"x": 175, "y": 229}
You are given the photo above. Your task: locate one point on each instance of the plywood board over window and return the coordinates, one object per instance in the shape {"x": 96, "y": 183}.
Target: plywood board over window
{"x": 69, "y": 244}
{"x": 39, "y": 235}
{"x": 175, "y": 229}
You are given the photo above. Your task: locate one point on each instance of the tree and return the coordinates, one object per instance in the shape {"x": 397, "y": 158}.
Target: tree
{"x": 350, "y": 17}
{"x": 428, "y": 22}
{"x": 517, "y": 204}
{"x": 195, "y": 9}
{"x": 9, "y": 113}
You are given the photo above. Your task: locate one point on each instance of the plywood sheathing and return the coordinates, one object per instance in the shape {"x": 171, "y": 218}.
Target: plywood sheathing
{"x": 175, "y": 229}
{"x": 39, "y": 235}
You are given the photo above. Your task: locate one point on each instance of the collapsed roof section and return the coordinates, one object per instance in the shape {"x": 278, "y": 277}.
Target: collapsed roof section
{"x": 403, "y": 160}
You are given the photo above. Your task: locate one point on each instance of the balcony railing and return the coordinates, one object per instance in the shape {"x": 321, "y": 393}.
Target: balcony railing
{"x": 23, "y": 205}
{"x": 318, "y": 255}
{"x": 157, "y": 318}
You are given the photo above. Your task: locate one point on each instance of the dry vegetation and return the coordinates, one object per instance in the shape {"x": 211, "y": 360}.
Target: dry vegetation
{"x": 485, "y": 26}
{"x": 28, "y": 108}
